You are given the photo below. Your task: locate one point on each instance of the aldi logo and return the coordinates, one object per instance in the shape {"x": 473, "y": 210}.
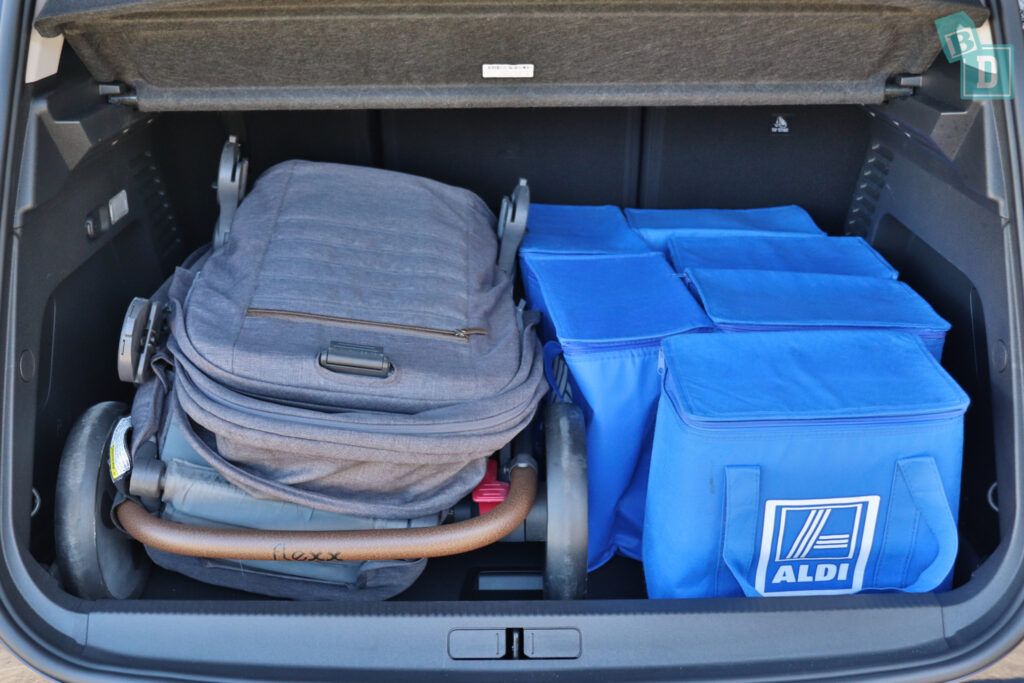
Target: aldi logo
{"x": 815, "y": 547}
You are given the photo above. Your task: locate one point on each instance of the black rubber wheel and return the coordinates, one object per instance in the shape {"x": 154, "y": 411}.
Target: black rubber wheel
{"x": 565, "y": 445}
{"x": 96, "y": 560}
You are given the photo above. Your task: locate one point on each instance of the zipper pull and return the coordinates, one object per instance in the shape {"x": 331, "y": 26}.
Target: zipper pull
{"x": 466, "y": 333}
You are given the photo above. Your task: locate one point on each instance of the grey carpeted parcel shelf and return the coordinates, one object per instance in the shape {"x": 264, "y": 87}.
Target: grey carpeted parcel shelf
{"x": 249, "y": 54}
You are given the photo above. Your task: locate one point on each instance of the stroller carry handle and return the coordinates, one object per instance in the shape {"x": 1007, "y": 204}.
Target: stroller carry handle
{"x": 352, "y": 545}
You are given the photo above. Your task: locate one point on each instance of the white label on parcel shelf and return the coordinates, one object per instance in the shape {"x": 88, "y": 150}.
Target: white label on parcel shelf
{"x": 508, "y": 70}
{"x": 118, "y": 206}
{"x": 815, "y": 547}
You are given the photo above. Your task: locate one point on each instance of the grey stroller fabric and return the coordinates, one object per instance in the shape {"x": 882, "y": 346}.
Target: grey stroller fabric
{"x": 373, "y": 581}
{"x": 321, "y": 253}
{"x": 195, "y": 494}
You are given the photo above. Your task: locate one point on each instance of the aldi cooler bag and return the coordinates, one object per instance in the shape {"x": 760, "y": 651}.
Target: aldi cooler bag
{"x": 740, "y": 251}
{"x": 561, "y": 229}
{"x": 760, "y": 300}
{"x": 610, "y": 314}
{"x": 799, "y": 463}
{"x": 352, "y": 349}
{"x": 657, "y": 226}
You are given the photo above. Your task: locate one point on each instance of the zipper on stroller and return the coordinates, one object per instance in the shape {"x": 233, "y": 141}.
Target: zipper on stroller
{"x": 461, "y": 334}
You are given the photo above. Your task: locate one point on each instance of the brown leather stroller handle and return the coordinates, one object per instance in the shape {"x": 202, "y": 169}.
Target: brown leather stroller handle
{"x": 319, "y": 546}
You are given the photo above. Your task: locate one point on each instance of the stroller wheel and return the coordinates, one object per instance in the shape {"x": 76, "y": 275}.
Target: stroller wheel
{"x": 96, "y": 560}
{"x": 565, "y": 564}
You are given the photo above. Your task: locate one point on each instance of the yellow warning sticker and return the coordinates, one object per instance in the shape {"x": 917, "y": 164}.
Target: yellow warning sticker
{"x": 118, "y": 457}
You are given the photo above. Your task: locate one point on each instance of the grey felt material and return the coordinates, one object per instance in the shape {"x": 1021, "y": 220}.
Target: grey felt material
{"x": 352, "y": 243}
{"x": 183, "y": 54}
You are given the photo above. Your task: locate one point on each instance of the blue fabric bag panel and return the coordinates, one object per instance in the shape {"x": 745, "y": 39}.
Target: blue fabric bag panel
{"x": 619, "y": 392}
{"x": 609, "y": 314}
{"x": 835, "y": 255}
{"x": 565, "y": 230}
{"x": 657, "y": 226}
{"x": 761, "y": 300}
{"x": 800, "y": 463}
{"x": 561, "y": 229}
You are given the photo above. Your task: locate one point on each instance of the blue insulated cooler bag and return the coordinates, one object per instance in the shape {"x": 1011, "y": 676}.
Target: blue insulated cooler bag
{"x": 557, "y": 229}
{"x": 837, "y": 255}
{"x": 798, "y": 463}
{"x": 760, "y": 300}
{"x": 610, "y": 314}
{"x": 657, "y": 226}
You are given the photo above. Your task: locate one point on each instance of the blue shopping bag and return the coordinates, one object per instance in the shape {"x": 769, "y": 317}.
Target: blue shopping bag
{"x": 657, "y": 226}
{"x": 562, "y": 229}
{"x": 761, "y": 300}
{"x": 802, "y": 463}
{"x": 792, "y": 253}
{"x": 609, "y": 314}
{"x": 565, "y": 230}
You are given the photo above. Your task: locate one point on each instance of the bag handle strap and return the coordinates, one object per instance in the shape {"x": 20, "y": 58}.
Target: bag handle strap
{"x": 921, "y": 476}
{"x": 919, "y": 473}
{"x": 742, "y": 505}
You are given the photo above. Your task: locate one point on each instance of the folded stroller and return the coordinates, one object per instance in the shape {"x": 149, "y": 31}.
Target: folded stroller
{"x": 321, "y": 388}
